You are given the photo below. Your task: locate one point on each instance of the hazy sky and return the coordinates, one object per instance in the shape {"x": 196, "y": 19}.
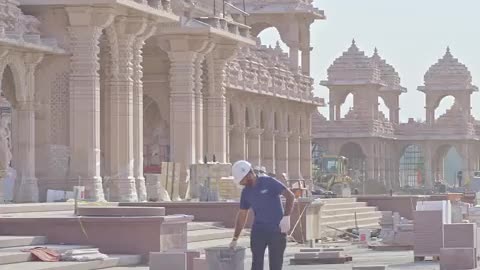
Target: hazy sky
{"x": 410, "y": 34}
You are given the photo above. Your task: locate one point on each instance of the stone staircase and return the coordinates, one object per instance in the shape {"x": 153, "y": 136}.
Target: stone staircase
{"x": 12, "y": 257}
{"x": 203, "y": 235}
{"x": 346, "y": 213}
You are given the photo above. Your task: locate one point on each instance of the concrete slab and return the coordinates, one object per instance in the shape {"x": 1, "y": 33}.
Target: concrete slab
{"x": 168, "y": 260}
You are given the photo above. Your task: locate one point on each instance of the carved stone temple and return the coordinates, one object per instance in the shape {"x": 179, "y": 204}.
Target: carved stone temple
{"x": 95, "y": 91}
{"x": 380, "y": 148}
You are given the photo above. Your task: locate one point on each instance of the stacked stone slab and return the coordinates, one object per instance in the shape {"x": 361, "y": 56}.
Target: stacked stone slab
{"x": 429, "y": 220}
{"x": 460, "y": 246}
{"x": 320, "y": 256}
{"x": 166, "y": 185}
{"x": 428, "y": 232}
{"x": 396, "y": 231}
{"x": 204, "y": 180}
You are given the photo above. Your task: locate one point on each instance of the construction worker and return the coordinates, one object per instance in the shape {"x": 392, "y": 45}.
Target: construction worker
{"x": 271, "y": 221}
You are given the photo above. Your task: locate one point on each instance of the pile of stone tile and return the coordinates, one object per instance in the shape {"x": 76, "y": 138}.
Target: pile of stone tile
{"x": 429, "y": 218}
{"x": 460, "y": 246}
{"x": 396, "y": 231}
{"x": 310, "y": 256}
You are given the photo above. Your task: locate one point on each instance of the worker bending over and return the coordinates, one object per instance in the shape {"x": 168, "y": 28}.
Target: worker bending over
{"x": 271, "y": 222}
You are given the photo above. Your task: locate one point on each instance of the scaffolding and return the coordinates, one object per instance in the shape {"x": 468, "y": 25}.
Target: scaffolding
{"x": 411, "y": 170}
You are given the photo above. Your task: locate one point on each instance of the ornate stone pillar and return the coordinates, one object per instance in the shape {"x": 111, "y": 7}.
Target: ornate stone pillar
{"x": 182, "y": 107}
{"x": 238, "y": 143}
{"x": 306, "y": 156}
{"x": 138, "y": 111}
{"x": 331, "y": 106}
{"x": 199, "y": 140}
{"x": 26, "y": 189}
{"x": 281, "y": 153}
{"x": 306, "y": 61}
{"x": 428, "y": 166}
{"x": 123, "y": 183}
{"x": 294, "y": 156}
{"x": 268, "y": 150}
{"x": 85, "y": 29}
{"x": 185, "y": 54}
{"x": 216, "y": 102}
{"x": 254, "y": 146}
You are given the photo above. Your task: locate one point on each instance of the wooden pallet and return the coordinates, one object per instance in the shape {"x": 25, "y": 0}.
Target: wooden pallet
{"x": 389, "y": 247}
{"x": 340, "y": 260}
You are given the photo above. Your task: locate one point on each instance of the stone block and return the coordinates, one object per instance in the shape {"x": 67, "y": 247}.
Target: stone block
{"x": 330, "y": 254}
{"x": 369, "y": 267}
{"x": 306, "y": 255}
{"x": 191, "y": 256}
{"x": 318, "y": 255}
{"x": 174, "y": 260}
{"x": 200, "y": 264}
{"x": 320, "y": 249}
{"x": 457, "y": 258}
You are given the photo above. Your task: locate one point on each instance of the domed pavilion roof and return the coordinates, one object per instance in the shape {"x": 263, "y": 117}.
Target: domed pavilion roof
{"x": 448, "y": 74}
{"x": 353, "y": 67}
{"x": 388, "y": 74}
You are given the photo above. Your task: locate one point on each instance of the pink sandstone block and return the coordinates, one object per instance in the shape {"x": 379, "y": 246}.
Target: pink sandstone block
{"x": 172, "y": 260}
{"x": 457, "y": 258}
{"x": 369, "y": 267}
{"x": 191, "y": 255}
{"x": 200, "y": 264}
{"x": 460, "y": 235}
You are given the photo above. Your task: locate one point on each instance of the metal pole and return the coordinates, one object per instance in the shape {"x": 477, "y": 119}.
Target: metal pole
{"x": 214, "y": 8}
{"x": 223, "y": 13}
{"x": 244, "y": 15}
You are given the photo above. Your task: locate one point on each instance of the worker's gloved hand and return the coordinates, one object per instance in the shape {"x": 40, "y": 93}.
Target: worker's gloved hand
{"x": 233, "y": 244}
{"x": 285, "y": 224}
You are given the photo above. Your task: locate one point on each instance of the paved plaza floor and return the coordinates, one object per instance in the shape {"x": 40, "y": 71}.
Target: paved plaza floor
{"x": 396, "y": 260}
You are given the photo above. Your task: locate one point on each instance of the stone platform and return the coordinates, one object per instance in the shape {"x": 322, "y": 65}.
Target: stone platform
{"x": 118, "y": 231}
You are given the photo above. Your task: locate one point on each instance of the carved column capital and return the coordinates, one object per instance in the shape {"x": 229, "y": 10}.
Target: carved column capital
{"x": 255, "y": 132}
{"x": 90, "y": 16}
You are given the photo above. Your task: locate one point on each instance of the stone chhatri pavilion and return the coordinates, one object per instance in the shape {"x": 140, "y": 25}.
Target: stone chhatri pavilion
{"x": 100, "y": 89}
{"x": 375, "y": 143}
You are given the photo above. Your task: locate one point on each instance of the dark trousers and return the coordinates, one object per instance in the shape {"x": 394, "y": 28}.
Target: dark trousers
{"x": 276, "y": 243}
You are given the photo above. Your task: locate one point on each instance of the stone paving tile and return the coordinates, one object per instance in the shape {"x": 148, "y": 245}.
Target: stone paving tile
{"x": 396, "y": 260}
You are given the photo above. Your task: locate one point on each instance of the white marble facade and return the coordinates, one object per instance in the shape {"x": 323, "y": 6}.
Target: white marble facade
{"x": 99, "y": 90}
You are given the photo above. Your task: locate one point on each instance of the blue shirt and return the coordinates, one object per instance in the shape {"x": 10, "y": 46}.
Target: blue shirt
{"x": 264, "y": 199}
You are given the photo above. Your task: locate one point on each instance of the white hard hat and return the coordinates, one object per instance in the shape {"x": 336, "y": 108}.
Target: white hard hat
{"x": 240, "y": 169}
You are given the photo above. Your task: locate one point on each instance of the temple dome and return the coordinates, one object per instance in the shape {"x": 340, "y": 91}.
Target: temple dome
{"x": 353, "y": 67}
{"x": 388, "y": 74}
{"x": 448, "y": 74}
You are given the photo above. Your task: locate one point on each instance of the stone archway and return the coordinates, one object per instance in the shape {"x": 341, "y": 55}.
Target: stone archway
{"x": 356, "y": 160}
{"x": 17, "y": 131}
{"x": 7, "y": 136}
{"x": 412, "y": 166}
{"x": 156, "y": 134}
{"x": 447, "y": 162}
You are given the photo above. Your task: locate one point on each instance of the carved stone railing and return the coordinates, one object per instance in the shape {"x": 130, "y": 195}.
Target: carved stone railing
{"x": 265, "y": 70}
{"x": 437, "y": 130}
{"x": 355, "y": 127}
{"x": 157, "y": 4}
{"x": 298, "y": 5}
{"x": 18, "y": 27}
{"x": 227, "y": 25}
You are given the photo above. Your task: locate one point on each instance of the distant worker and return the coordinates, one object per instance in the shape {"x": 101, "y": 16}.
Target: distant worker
{"x": 271, "y": 221}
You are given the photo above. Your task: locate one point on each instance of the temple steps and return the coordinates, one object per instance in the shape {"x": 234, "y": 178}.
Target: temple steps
{"x": 346, "y": 213}
{"x": 13, "y": 258}
{"x": 18, "y": 241}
